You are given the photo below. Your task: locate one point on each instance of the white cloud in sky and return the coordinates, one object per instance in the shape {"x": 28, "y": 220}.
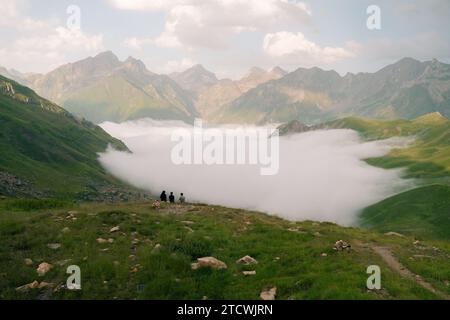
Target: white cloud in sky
{"x": 280, "y": 44}
{"x": 144, "y": 5}
{"x": 40, "y": 44}
{"x": 210, "y": 24}
{"x": 136, "y": 43}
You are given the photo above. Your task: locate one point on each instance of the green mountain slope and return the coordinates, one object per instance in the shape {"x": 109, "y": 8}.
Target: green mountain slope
{"x": 103, "y": 88}
{"x": 45, "y": 150}
{"x": 427, "y": 157}
{"x": 423, "y": 212}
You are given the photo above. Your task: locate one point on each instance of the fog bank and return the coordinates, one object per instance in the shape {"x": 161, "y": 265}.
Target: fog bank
{"x": 321, "y": 174}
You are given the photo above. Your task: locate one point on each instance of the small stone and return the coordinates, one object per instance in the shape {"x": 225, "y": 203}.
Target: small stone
{"x": 249, "y": 273}
{"x": 54, "y": 246}
{"x": 110, "y": 240}
{"x": 28, "y": 262}
{"x": 269, "y": 294}
{"x": 188, "y": 222}
{"x": 43, "y": 268}
{"x": 341, "y": 245}
{"x": 114, "y": 229}
{"x": 101, "y": 240}
{"x": 247, "y": 260}
{"x": 323, "y": 254}
{"x": 65, "y": 230}
{"x": 156, "y": 248}
{"x": 72, "y": 212}
{"x": 195, "y": 265}
{"x": 189, "y": 229}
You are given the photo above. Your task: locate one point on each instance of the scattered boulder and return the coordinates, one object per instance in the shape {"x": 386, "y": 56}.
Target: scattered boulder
{"x": 114, "y": 229}
{"x": 43, "y": 268}
{"x": 54, "y": 246}
{"x": 188, "y": 222}
{"x": 323, "y": 254}
{"x": 209, "y": 262}
{"x": 269, "y": 294}
{"x": 249, "y": 273}
{"x": 247, "y": 260}
{"x": 156, "y": 248}
{"x": 28, "y": 262}
{"x": 341, "y": 245}
{"x": 190, "y": 230}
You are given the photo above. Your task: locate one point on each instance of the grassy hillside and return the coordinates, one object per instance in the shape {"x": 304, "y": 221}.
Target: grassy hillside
{"x": 116, "y": 99}
{"x": 428, "y": 157}
{"x": 45, "y": 150}
{"x": 150, "y": 255}
{"x": 423, "y": 212}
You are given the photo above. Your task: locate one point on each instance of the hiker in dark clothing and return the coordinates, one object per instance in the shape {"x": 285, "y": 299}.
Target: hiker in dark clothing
{"x": 172, "y": 198}
{"x": 163, "y": 196}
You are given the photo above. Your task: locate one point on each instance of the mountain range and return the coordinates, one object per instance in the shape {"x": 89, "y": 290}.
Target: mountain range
{"x": 104, "y": 88}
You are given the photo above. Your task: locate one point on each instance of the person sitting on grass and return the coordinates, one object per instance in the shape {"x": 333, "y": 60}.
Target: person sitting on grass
{"x": 172, "y": 198}
{"x": 163, "y": 196}
{"x": 182, "y": 198}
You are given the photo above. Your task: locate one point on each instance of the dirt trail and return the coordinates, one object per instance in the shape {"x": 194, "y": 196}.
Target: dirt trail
{"x": 395, "y": 265}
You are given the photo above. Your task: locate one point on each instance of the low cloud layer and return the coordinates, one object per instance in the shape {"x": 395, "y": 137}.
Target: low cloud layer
{"x": 321, "y": 176}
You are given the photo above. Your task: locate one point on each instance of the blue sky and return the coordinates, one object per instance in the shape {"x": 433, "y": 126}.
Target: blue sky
{"x": 226, "y": 36}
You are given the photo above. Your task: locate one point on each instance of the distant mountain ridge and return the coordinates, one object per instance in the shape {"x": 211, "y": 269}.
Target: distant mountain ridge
{"x": 406, "y": 89}
{"x": 195, "y": 78}
{"x": 104, "y": 88}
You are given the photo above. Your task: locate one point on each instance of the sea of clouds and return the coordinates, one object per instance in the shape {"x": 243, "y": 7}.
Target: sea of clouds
{"x": 322, "y": 175}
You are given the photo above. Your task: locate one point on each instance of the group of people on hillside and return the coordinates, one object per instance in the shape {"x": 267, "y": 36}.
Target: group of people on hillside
{"x": 163, "y": 197}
